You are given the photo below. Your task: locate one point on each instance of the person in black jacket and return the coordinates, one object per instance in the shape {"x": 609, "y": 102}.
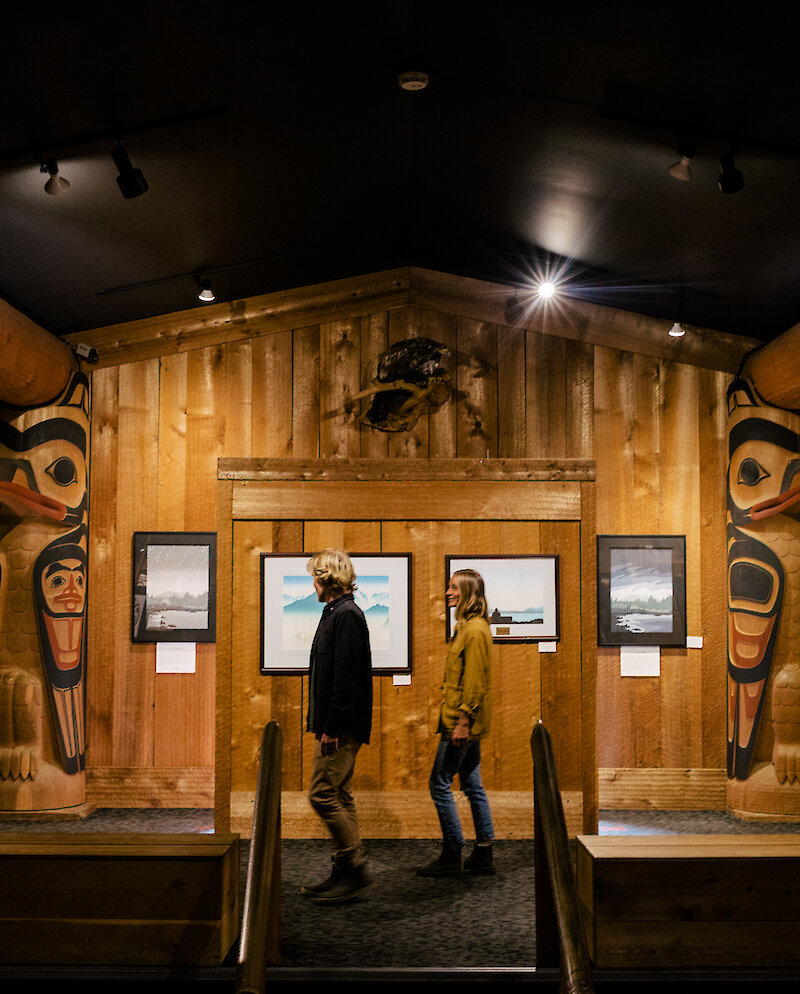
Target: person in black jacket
{"x": 340, "y": 717}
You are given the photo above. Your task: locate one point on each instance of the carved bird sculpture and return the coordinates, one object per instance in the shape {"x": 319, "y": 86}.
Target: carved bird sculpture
{"x": 43, "y": 573}
{"x": 763, "y": 585}
{"x": 411, "y": 375}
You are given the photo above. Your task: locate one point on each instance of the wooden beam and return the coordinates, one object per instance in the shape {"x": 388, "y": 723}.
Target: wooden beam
{"x": 775, "y": 371}
{"x": 252, "y": 317}
{"x": 576, "y": 320}
{"x": 423, "y": 470}
{"x": 34, "y": 365}
{"x": 443, "y": 293}
{"x": 482, "y": 500}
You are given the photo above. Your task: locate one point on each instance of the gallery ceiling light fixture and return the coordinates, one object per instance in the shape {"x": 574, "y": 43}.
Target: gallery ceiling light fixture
{"x": 131, "y": 181}
{"x": 730, "y": 179}
{"x": 56, "y": 184}
{"x": 206, "y": 293}
{"x": 686, "y": 149}
{"x": 414, "y": 79}
{"x": 546, "y": 289}
{"x": 677, "y": 330}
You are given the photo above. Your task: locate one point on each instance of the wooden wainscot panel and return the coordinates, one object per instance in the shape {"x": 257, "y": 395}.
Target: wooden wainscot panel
{"x": 155, "y": 900}
{"x": 691, "y": 900}
{"x": 404, "y": 814}
{"x": 479, "y": 500}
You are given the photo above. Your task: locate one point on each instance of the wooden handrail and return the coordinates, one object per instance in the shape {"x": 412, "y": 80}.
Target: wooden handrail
{"x": 258, "y": 943}
{"x": 556, "y": 889}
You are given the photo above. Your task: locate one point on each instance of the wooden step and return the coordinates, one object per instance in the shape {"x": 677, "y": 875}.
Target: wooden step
{"x": 691, "y": 900}
{"x": 118, "y": 899}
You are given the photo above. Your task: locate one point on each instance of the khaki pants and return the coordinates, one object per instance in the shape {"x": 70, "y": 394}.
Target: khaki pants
{"x": 330, "y": 796}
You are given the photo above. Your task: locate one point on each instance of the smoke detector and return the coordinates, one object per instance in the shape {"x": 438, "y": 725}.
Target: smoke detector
{"x": 416, "y": 80}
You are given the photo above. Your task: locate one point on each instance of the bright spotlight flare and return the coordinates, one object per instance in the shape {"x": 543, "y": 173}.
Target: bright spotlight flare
{"x": 547, "y": 289}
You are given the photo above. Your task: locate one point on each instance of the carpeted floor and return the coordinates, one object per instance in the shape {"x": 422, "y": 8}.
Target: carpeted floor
{"x": 404, "y": 920}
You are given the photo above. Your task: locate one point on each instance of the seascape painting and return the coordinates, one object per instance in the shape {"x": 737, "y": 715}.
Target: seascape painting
{"x": 521, "y": 594}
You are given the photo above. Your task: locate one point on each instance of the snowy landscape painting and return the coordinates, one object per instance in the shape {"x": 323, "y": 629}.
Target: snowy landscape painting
{"x": 641, "y": 592}
{"x": 173, "y": 586}
{"x": 291, "y": 610}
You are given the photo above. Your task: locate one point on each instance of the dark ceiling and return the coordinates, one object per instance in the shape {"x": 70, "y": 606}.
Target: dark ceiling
{"x": 280, "y": 151}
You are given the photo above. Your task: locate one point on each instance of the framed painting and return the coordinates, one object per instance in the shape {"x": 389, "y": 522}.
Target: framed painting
{"x": 641, "y": 590}
{"x": 521, "y": 593}
{"x": 290, "y": 610}
{"x": 174, "y": 587}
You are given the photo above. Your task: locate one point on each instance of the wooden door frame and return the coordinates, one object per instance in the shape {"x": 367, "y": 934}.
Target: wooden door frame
{"x": 406, "y": 489}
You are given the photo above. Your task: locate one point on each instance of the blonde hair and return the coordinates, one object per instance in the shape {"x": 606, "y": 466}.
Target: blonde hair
{"x": 334, "y": 570}
{"x": 471, "y": 595}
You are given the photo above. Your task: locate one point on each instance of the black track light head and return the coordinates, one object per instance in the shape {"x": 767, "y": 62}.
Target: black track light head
{"x": 130, "y": 181}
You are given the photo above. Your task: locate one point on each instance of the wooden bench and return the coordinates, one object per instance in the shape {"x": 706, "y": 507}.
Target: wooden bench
{"x": 118, "y": 899}
{"x": 691, "y": 900}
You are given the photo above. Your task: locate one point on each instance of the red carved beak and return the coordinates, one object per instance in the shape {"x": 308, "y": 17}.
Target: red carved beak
{"x": 775, "y": 505}
{"x": 26, "y": 503}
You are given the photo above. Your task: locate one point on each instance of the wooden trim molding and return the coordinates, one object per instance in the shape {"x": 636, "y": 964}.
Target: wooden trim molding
{"x": 405, "y": 814}
{"x": 404, "y": 470}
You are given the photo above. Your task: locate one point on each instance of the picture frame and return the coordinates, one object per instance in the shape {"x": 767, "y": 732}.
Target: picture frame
{"x": 174, "y": 596}
{"x": 521, "y": 593}
{"x": 641, "y": 590}
{"x": 290, "y": 610}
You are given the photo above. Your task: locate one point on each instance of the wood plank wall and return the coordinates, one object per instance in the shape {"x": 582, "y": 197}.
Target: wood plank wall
{"x": 267, "y": 379}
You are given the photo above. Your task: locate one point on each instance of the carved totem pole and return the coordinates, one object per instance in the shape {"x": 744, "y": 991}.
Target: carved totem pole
{"x": 43, "y": 574}
{"x": 764, "y": 583}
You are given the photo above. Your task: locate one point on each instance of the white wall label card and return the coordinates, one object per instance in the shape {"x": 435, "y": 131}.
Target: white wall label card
{"x": 401, "y": 679}
{"x": 694, "y": 641}
{"x": 176, "y": 657}
{"x": 548, "y": 646}
{"x": 639, "y": 660}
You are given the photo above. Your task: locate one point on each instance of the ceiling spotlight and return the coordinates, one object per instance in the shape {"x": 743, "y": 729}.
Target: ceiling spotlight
{"x": 680, "y": 170}
{"x": 413, "y": 80}
{"x": 130, "y": 181}
{"x": 206, "y": 293}
{"x": 56, "y": 184}
{"x": 677, "y": 330}
{"x": 730, "y": 180}
{"x": 547, "y": 289}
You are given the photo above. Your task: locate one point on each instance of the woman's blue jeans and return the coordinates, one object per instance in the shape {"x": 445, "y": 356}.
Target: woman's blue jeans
{"x": 466, "y": 762}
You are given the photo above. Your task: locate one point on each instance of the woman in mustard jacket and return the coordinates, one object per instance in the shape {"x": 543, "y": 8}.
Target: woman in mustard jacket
{"x": 464, "y": 719}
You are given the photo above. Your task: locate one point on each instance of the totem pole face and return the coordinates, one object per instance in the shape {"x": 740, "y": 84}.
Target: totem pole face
{"x": 763, "y": 503}
{"x": 44, "y": 511}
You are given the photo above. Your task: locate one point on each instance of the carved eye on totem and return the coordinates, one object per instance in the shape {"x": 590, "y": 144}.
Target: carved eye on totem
{"x": 751, "y": 472}
{"x": 63, "y": 471}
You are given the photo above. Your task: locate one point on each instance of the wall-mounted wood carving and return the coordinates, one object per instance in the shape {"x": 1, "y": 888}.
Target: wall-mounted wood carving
{"x": 412, "y": 375}
{"x": 43, "y": 573}
{"x": 763, "y": 596}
